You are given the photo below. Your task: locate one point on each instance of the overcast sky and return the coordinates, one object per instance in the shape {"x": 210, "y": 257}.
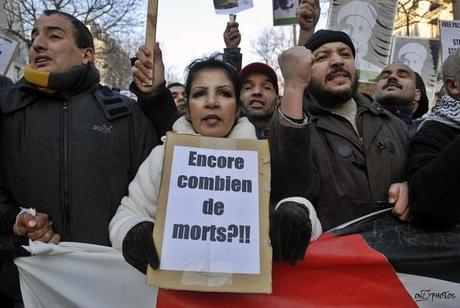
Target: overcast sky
{"x": 188, "y": 29}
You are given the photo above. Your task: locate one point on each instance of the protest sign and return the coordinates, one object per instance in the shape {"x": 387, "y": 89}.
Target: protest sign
{"x": 211, "y": 229}
{"x": 7, "y": 49}
{"x": 421, "y": 55}
{"x": 284, "y": 12}
{"x": 450, "y": 36}
{"x": 231, "y": 6}
{"x": 370, "y": 26}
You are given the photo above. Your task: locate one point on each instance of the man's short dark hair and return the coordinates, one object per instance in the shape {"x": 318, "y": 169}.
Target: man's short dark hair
{"x": 423, "y": 102}
{"x": 175, "y": 84}
{"x": 82, "y": 35}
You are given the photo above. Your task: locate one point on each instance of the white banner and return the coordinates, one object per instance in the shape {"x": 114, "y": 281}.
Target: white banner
{"x": 72, "y": 275}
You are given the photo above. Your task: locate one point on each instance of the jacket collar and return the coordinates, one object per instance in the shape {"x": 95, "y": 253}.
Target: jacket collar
{"x": 332, "y": 122}
{"x": 404, "y": 112}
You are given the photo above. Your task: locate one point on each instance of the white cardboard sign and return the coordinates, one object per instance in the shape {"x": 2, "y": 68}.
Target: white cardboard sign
{"x": 204, "y": 229}
{"x": 7, "y": 49}
{"x": 450, "y": 36}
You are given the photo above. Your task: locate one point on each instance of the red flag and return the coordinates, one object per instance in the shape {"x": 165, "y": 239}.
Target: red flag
{"x": 338, "y": 271}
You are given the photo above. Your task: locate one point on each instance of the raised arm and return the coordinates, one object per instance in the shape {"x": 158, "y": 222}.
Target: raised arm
{"x": 232, "y": 39}
{"x": 293, "y": 169}
{"x": 308, "y": 14}
{"x": 156, "y": 100}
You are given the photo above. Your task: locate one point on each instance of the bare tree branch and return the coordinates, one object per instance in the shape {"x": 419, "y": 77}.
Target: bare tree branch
{"x": 114, "y": 17}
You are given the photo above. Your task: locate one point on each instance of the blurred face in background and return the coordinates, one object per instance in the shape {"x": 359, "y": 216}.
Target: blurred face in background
{"x": 178, "y": 93}
{"x": 258, "y": 96}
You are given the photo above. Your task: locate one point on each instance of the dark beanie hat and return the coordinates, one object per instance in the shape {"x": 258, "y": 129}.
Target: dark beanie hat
{"x": 321, "y": 37}
{"x": 262, "y": 68}
{"x": 423, "y": 103}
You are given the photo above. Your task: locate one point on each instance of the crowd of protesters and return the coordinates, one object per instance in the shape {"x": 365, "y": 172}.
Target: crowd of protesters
{"x": 80, "y": 162}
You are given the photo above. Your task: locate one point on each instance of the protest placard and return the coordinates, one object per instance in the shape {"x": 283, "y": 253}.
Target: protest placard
{"x": 369, "y": 23}
{"x": 284, "y": 12}
{"x": 231, "y": 6}
{"x": 211, "y": 229}
{"x": 450, "y": 36}
{"x": 7, "y": 49}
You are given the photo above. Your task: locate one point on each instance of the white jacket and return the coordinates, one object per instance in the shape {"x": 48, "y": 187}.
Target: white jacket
{"x": 140, "y": 203}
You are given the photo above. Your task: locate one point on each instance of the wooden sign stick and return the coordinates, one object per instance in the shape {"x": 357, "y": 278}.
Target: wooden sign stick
{"x": 151, "y": 29}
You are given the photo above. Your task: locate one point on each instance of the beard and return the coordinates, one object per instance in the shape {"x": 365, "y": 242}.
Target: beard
{"x": 390, "y": 99}
{"x": 330, "y": 98}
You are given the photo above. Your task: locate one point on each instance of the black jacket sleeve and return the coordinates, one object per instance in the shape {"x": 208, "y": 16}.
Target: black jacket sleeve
{"x": 234, "y": 57}
{"x": 8, "y": 207}
{"x": 5, "y": 82}
{"x": 160, "y": 109}
{"x": 293, "y": 170}
{"x": 434, "y": 174}
{"x": 8, "y": 211}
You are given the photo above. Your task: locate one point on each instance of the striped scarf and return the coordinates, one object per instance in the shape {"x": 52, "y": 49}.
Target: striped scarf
{"x": 447, "y": 112}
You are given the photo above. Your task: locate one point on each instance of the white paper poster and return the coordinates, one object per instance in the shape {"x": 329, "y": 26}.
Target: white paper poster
{"x": 284, "y": 12}
{"x": 204, "y": 229}
{"x": 7, "y": 49}
{"x": 450, "y": 36}
{"x": 231, "y": 6}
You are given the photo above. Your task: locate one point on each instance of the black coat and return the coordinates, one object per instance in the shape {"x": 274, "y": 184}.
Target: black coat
{"x": 64, "y": 157}
{"x": 344, "y": 175}
{"x": 434, "y": 174}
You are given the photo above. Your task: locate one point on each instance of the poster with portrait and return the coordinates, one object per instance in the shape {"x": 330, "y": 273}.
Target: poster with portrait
{"x": 369, "y": 23}
{"x": 284, "y": 12}
{"x": 231, "y": 6}
{"x": 422, "y": 55}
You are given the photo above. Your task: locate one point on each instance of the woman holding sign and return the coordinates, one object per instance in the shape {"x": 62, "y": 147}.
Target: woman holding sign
{"x": 212, "y": 109}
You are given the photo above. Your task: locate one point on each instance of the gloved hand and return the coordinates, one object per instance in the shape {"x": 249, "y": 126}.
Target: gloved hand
{"x": 11, "y": 247}
{"x": 290, "y": 232}
{"x": 139, "y": 249}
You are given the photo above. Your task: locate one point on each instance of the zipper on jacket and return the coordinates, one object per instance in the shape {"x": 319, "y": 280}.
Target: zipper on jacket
{"x": 358, "y": 125}
{"x": 66, "y": 204}
{"x": 361, "y": 139}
